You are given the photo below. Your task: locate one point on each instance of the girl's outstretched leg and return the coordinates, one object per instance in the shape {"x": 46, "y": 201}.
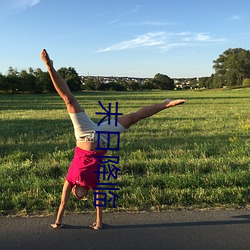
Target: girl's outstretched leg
{"x": 147, "y": 111}
{"x": 60, "y": 85}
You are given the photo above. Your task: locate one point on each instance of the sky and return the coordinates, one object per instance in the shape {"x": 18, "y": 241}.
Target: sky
{"x": 135, "y": 38}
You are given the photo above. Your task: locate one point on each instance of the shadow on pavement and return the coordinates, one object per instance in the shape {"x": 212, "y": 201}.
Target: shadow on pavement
{"x": 245, "y": 220}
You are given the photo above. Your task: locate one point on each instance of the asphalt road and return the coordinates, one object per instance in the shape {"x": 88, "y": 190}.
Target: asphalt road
{"x": 224, "y": 229}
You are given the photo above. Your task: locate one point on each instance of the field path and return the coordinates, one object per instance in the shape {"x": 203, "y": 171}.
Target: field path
{"x": 223, "y": 229}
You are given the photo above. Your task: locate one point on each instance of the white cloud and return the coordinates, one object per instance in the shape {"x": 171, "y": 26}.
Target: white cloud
{"x": 11, "y": 6}
{"x": 112, "y": 22}
{"x": 151, "y": 23}
{"x": 202, "y": 37}
{"x": 24, "y": 4}
{"x": 148, "y": 39}
{"x": 164, "y": 41}
{"x": 134, "y": 10}
{"x": 235, "y": 17}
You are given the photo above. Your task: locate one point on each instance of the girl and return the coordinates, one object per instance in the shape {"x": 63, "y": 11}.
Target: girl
{"x": 81, "y": 176}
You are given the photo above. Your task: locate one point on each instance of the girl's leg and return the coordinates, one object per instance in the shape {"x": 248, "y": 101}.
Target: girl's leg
{"x": 64, "y": 200}
{"x": 98, "y": 224}
{"x": 98, "y": 221}
{"x": 147, "y": 111}
{"x": 60, "y": 85}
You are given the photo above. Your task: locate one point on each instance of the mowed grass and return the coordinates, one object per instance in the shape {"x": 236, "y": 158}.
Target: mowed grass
{"x": 196, "y": 155}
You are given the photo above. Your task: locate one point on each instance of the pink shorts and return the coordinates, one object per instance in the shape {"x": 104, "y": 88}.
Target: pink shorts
{"x": 82, "y": 168}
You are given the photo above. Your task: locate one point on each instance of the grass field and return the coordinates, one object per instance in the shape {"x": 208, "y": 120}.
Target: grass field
{"x": 196, "y": 155}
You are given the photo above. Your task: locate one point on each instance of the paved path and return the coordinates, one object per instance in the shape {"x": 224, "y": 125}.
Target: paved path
{"x": 131, "y": 231}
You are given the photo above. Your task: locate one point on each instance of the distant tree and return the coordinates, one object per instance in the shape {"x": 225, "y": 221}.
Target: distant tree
{"x": 119, "y": 85}
{"x": 12, "y": 80}
{"x": 210, "y": 81}
{"x": 246, "y": 82}
{"x": 100, "y": 85}
{"x": 133, "y": 85}
{"x": 193, "y": 83}
{"x": 202, "y": 82}
{"x": 71, "y": 77}
{"x": 218, "y": 81}
{"x": 27, "y": 80}
{"x": 3, "y": 85}
{"x": 90, "y": 83}
{"x": 163, "y": 82}
{"x": 43, "y": 81}
{"x": 149, "y": 84}
{"x": 123, "y": 85}
{"x": 232, "y": 67}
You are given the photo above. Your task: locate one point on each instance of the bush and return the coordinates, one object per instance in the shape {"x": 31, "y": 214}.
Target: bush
{"x": 246, "y": 82}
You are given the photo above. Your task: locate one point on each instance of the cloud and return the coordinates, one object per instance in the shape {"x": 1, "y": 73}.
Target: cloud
{"x": 200, "y": 37}
{"x": 151, "y": 23}
{"x": 24, "y": 4}
{"x": 164, "y": 41}
{"x": 12, "y": 6}
{"x": 132, "y": 11}
{"x": 148, "y": 39}
{"x": 235, "y": 17}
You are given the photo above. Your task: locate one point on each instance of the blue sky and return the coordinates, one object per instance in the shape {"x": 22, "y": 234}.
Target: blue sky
{"x": 138, "y": 38}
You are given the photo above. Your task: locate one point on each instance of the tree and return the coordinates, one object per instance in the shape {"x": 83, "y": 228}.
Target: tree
{"x": 12, "y": 80}
{"x": 27, "y": 81}
{"x": 119, "y": 85}
{"x": 100, "y": 85}
{"x": 71, "y": 77}
{"x": 163, "y": 82}
{"x": 3, "y": 85}
{"x": 232, "y": 67}
{"x": 43, "y": 82}
{"x": 246, "y": 82}
{"x": 193, "y": 83}
{"x": 203, "y": 82}
{"x": 134, "y": 85}
{"x": 149, "y": 84}
{"x": 90, "y": 83}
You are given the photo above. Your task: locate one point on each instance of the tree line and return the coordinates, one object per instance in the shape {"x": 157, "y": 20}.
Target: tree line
{"x": 38, "y": 81}
{"x": 232, "y": 68}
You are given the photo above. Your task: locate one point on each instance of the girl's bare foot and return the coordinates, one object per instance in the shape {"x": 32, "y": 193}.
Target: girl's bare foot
{"x": 94, "y": 226}
{"x": 171, "y": 103}
{"x": 45, "y": 57}
{"x": 56, "y": 225}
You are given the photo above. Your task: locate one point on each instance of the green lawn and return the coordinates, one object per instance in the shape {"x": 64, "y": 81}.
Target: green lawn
{"x": 196, "y": 155}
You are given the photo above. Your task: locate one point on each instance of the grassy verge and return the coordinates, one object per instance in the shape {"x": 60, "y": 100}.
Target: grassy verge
{"x": 193, "y": 156}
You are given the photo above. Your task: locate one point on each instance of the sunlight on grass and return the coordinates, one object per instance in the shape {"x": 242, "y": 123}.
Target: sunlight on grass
{"x": 194, "y": 155}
